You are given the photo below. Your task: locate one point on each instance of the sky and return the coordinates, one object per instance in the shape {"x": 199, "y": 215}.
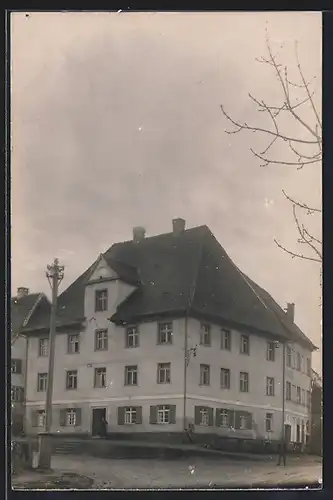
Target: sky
{"x": 116, "y": 123}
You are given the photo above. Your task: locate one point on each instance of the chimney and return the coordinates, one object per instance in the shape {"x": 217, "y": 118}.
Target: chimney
{"x": 22, "y": 292}
{"x": 178, "y": 226}
{"x": 138, "y": 234}
{"x": 290, "y": 312}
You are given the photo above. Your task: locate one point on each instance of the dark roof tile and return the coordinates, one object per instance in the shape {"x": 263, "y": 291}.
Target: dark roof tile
{"x": 187, "y": 272}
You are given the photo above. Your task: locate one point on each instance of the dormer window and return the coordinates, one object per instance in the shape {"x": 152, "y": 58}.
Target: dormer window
{"x": 101, "y": 300}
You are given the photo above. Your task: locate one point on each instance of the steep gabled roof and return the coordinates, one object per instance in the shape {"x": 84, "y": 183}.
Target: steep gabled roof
{"x": 20, "y": 311}
{"x": 189, "y": 272}
{"x": 192, "y": 272}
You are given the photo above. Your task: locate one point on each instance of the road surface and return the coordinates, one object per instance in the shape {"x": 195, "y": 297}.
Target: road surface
{"x": 182, "y": 473}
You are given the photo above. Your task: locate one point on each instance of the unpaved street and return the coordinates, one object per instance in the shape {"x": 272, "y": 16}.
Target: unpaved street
{"x": 111, "y": 473}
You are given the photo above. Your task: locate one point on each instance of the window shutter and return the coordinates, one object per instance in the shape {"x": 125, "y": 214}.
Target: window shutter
{"x": 197, "y": 415}
{"x": 153, "y": 415}
{"x": 237, "y": 419}
{"x": 62, "y": 418}
{"x": 249, "y": 420}
{"x": 172, "y": 414}
{"x": 231, "y": 418}
{"x": 210, "y": 416}
{"x": 138, "y": 415}
{"x": 218, "y": 417}
{"x": 121, "y": 415}
{"x": 78, "y": 417}
{"x": 34, "y": 417}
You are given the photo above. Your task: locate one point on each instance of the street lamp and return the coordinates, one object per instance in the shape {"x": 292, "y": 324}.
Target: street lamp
{"x": 54, "y": 274}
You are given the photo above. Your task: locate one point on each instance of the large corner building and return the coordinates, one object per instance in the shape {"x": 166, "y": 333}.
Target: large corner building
{"x": 163, "y": 334}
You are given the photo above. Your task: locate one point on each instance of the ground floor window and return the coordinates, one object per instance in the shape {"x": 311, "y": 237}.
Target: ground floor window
{"x": 243, "y": 422}
{"x": 224, "y": 418}
{"x": 163, "y": 414}
{"x": 130, "y": 415}
{"x": 41, "y": 418}
{"x": 269, "y": 422}
{"x": 204, "y": 416}
{"x": 70, "y": 417}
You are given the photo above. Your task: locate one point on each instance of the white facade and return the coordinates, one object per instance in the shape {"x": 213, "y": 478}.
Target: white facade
{"x": 112, "y": 361}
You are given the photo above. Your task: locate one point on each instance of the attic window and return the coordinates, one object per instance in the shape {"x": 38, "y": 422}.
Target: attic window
{"x": 101, "y": 300}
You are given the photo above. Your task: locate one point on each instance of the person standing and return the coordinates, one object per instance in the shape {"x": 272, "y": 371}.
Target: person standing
{"x": 104, "y": 428}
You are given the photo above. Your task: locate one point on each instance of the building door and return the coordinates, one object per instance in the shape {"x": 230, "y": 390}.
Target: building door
{"x": 97, "y": 415}
{"x": 298, "y": 434}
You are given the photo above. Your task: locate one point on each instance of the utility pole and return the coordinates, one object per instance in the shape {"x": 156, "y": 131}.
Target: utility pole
{"x": 54, "y": 274}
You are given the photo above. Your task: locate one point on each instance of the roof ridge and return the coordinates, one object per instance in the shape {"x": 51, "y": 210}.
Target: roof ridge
{"x": 157, "y": 236}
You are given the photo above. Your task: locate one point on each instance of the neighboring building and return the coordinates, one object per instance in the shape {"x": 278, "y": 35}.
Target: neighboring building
{"x": 125, "y": 325}
{"x": 316, "y": 438}
{"x": 22, "y": 306}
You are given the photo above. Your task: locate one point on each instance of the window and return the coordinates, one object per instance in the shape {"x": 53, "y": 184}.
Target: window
{"x": 204, "y": 374}
{"x": 164, "y": 373}
{"x": 308, "y": 399}
{"x": 302, "y": 364}
{"x": 205, "y": 335}
{"x": 224, "y": 418}
{"x": 269, "y": 422}
{"x": 288, "y": 391}
{"x": 270, "y": 351}
{"x": 130, "y": 415}
{"x": 163, "y": 414}
{"x": 16, "y": 366}
{"x": 243, "y": 422}
{"x": 100, "y": 378}
{"x": 73, "y": 344}
{"x": 101, "y": 340}
{"x": 298, "y": 395}
{"x": 17, "y": 394}
{"x": 204, "y": 416}
{"x": 269, "y": 386}
{"x": 71, "y": 379}
{"x": 71, "y": 417}
{"x": 41, "y": 382}
{"x": 308, "y": 366}
{"x": 43, "y": 347}
{"x": 132, "y": 336}
{"x": 303, "y": 402}
{"x": 225, "y": 339}
{"x": 225, "y": 378}
{"x": 244, "y": 344}
{"x": 164, "y": 333}
{"x": 298, "y": 361}
{"x": 101, "y": 300}
{"x": 41, "y": 418}
{"x": 293, "y": 393}
{"x": 244, "y": 382}
{"x": 288, "y": 356}
{"x": 131, "y": 375}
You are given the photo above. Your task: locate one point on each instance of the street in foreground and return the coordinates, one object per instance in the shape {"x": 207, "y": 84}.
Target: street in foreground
{"x": 198, "y": 472}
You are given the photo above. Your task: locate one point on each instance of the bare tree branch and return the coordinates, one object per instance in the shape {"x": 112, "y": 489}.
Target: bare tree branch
{"x": 279, "y": 136}
{"x": 301, "y": 205}
{"x": 298, "y": 255}
{"x": 307, "y": 87}
{"x": 258, "y": 129}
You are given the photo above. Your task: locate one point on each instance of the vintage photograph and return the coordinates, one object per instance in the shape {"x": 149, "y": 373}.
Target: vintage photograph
{"x": 166, "y": 250}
